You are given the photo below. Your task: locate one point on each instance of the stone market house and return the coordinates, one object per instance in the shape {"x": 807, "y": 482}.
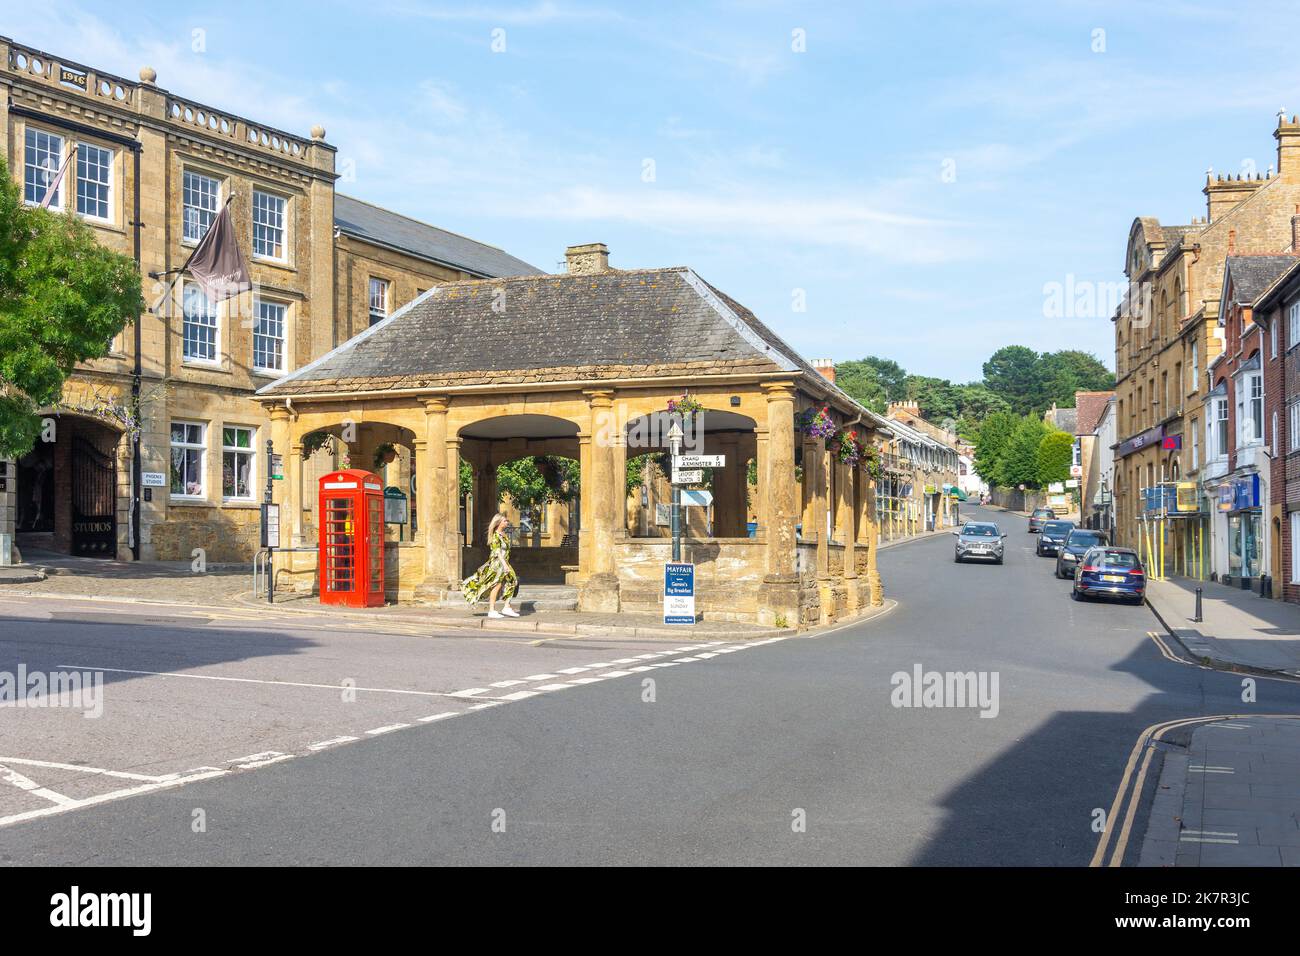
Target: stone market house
{"x": 582, "y": 366}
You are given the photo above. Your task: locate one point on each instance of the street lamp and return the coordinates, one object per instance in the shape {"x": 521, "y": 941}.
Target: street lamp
{"x": 675, "y": 448}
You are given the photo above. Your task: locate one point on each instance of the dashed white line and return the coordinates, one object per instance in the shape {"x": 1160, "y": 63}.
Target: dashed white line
{"x": 332, "y": 742}
{"x": 31, "y": 786}
{"x": 443, "y": 716}
{"x": 389, "y": 728}
{"x": 471, "y": 692}
{"x": 520, "y": 695}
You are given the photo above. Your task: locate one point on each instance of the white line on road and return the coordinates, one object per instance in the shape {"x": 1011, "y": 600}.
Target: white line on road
{"x": 277, "y": 683}
{"x": 332, "y": 742}
{"x": 443, "y": 716}
{"x": 31, "y": 786}
{"x": 51, "y": 765}
{"x": 107, "y": 797}
{"x": 387, "y": 728}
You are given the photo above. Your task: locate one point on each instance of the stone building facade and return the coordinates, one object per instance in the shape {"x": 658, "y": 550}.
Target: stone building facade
{"x": 1167, "y": 334}
{"x": 148, "y": 171}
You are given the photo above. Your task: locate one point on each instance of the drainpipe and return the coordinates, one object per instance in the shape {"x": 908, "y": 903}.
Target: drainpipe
{"x": 136, "y": 374}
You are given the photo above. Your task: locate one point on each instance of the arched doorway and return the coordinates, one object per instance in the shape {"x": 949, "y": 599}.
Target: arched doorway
{"x": 70, "y": 498}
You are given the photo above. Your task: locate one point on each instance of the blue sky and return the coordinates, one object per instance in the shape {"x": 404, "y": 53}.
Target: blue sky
{"x": 920, "y": 171}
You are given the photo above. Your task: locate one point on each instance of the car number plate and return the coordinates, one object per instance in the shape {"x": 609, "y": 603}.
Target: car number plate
{"x": 1117, "y": 578}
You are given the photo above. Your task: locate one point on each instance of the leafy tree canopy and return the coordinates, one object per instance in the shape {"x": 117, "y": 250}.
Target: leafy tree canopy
{"x": 63, "y": 298}
{"x": 1055, "y": 455}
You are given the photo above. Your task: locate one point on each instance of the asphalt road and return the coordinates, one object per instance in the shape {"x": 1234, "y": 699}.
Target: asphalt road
{"x": 733, "y": 753}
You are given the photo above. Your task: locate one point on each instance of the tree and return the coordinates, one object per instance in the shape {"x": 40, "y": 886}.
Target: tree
{"x": 530, "y": 483}
{"x": 938, "y": 398}
{"x": 1068, "y": 371}
{"x": 1012, "y": 373}
{"x": 991, "y": 444}
{"x": 1020, "y": 459}
{"x": 1055, "y": 456}
{"x": 63, "y": 298}
{"x": 873, "y": 381}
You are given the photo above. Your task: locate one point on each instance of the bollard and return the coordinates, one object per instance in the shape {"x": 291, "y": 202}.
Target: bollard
{"x": 1197, "y": 618}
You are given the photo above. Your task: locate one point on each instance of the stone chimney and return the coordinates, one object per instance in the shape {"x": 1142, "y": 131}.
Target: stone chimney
{"x": 587, "y": 259}
{"x": 904, "y": 409}
{"x": 1287, "y": 135}
{"x": 1224, "y": 192}
{"x": 826, "y": 367}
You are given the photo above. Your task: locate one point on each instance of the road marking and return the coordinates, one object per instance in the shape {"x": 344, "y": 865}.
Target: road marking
{"x": 616, "y": 674}
{"x": 254, "y": 680}
{"x": 443, "y": 716}
{"x": 520, "y": 695}
{"x": 332, "y": 742}
{"x": 508, "y": 683}
{"x": 537, "y": 677}
{"x": 253, "y": 761}
{"x": 573, "y": 670}
{"x": 121, "y": 774}
{"x": 472, "y": 692}
{"x": 110, "y": 796}
{"x": 1208, "y": 836}
{"x": 386, "y": 729}
{"x": 549, "y": 687}
{"x": 1203, "y": 769}
{"x": 31, "y": 786}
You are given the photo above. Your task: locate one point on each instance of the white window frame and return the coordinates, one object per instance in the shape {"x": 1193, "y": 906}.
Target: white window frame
{"x": 1195, "y": 357}
{"x": 208, "y": 319}
{"x": 1272, "y": 339}
{"x": 379, "y": 304}
{"x": 1295, "y": 547}
{"x": 195, "y": 186}
{"x": 249, "y": 452}
{"x": 1196, "y": 444}
{"x": 1254, "y": 382}
{"x": 264, "y": 332}
{"x": 32, "y": 169}
{"x": 1293, "y": 428}
{"x": 1293, "y": 325}
{"x": 272, "y": 233}
{"x": 187, "y": 445}
{"x": 1216, "y": 429}
{"x": 110, "y": 160}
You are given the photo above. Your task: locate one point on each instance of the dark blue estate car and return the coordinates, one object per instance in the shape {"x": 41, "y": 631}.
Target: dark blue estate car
{"x": 1110, "y": 571}
{"x": 1052, "y": 537}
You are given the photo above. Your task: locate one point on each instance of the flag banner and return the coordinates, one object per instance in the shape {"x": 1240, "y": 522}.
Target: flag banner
{"x": 217, "y": 264}
{"x": 53, "y": 188}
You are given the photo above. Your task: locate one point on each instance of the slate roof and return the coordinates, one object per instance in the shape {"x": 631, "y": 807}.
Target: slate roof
{"x": 1252, "y": 275}
{"x": 552, "y": 328}
{"x": 354, "y": 217}
{"x": 1066, "y": 419}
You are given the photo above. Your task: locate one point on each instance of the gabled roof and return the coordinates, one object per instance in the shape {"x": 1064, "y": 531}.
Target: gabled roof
{"x": 1090, "y": 407}
{"x": 1248, "y": 277}
{"x": 370, "y": 223}
{"x": 1064, "y": 419}
{"x": 641, "y": 323}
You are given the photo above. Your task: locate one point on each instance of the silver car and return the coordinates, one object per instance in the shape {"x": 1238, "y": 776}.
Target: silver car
{"x": 979, "y": 539}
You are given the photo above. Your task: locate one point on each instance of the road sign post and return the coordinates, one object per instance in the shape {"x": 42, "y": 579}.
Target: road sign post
{"x": 675, "y": 446}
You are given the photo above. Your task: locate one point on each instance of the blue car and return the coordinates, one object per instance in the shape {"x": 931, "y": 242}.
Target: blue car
{"x": 1116, "y": 572}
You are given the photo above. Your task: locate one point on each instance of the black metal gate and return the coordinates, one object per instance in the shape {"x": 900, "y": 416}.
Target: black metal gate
{"x": 94, "y": 501}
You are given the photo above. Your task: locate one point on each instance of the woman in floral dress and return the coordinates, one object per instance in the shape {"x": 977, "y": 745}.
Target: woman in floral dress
{"x": 495, "y": 578}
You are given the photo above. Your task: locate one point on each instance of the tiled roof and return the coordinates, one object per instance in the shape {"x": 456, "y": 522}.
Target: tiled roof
{"x": 551, "y": 328}
{"x": 354, "y": 217}
{"x": 1090, "y": 407}
{"x": 1063, "y": 418}
{"x": 1252, "y": 275}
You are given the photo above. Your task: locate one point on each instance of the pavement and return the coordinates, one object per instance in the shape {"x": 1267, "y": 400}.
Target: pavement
{"x": 1238, "y": 629}
{"x": 1231, "y": 799}
{"x": 476, "y": 748}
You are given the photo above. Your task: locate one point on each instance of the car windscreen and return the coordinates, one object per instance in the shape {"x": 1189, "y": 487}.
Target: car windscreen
{"x": 1044, "y": 513}
{"x": 1057, "y": 527}
{"x": 1085, "y": 539}
{"x": 980, "y": 531}
{"x": 1116, "y": 560}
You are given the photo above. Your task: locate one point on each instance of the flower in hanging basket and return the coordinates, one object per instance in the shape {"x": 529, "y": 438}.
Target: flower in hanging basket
{"x": 816, "y": 423}
{"x": 847, "y": 448}
{"x": 686, "y": 406}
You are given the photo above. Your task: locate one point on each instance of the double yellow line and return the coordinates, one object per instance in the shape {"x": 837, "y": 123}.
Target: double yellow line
{"x": 1132, "y": 788}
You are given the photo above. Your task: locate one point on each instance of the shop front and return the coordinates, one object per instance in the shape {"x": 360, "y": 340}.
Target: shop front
{"x": 1239, "y": 499}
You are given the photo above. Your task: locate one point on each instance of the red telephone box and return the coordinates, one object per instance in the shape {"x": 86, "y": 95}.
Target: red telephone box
{"x": 351, "y": 539}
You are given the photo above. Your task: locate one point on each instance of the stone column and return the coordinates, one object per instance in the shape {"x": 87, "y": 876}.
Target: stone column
{"x": 872, "y": 538}
{"x": 599, "y": 591}
{"x": 780, "y": 599}
{"x": 845, "y": 519}
{"x": 808, "y": 487}
{"x": 423, "y": 499}
{"x": 293, "y": 475}
{"x": 584, "y": 505}
{"x": 760, "y": 468}
{"x": 454, "y": 539}
{"x": 430, "y": 479}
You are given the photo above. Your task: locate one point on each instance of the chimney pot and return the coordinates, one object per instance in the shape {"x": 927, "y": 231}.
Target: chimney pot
{"x": 587, "y": 259}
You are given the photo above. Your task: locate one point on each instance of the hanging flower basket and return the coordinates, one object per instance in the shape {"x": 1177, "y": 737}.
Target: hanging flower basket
{"x": 385, "y": 454}
{"x": 871, "y": 462}
{"x": 816, "y": 423}
{"x": 686, "y": 406}
{"x": 848, "y": 449}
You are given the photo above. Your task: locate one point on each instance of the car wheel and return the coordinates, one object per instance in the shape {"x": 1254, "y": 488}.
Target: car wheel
{"x": 956, "y": 559}
{"x": 997, "y": 560}
{"x": 1074, "y": 593}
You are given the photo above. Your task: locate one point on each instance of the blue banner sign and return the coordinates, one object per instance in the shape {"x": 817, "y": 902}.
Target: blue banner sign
{"x": 679, "y": 593}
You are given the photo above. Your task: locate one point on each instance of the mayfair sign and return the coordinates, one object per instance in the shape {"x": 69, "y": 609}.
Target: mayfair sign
{"x": 1140, "y": 441}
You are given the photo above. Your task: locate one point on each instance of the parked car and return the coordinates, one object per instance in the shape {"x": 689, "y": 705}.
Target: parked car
{"x": 1110, "y": 571}
{"x": 1039, "y": 517}
{"x": 979, "y": 539}
{"x": 1076, "y": 544}
{"x": 1052, "y": 537}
